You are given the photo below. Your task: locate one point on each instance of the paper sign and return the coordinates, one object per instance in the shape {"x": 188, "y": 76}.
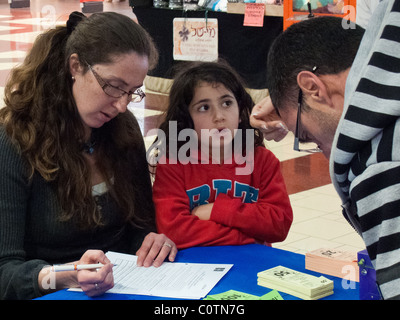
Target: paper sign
{"x": 254, "y": 15}
{"x": 195, "y": 39}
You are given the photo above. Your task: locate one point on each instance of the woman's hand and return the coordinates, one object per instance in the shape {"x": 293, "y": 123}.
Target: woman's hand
{"x": 154, "y": 250}
{"x": 97, "y": 281}
{"x": 264, "y": 117}
{"x": 93, "y": 282}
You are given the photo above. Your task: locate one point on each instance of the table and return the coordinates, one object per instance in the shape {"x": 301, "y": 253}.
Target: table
{"x": 248, "y": 260}
{"x": 245, "y": 48}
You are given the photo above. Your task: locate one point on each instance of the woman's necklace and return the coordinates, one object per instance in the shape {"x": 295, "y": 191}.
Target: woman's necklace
{"x": 88, "y": 147}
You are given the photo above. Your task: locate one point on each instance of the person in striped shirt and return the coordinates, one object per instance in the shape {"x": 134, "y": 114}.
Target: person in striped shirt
{"x": 332, "y": 86}
{"x": 365, "y": 163}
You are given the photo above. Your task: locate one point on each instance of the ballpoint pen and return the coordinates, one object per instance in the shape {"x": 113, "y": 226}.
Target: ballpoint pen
{"x": 75, "y": 267}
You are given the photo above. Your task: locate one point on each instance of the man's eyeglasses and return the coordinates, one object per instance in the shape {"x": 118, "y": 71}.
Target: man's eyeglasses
{"x": 304, "y": 147}
{"x": 115, "y": 92}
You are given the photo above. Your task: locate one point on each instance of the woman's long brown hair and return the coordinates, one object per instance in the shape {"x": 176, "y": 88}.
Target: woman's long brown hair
{"x": 42, "y": 120}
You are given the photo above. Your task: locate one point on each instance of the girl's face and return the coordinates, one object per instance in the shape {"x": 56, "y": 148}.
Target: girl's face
{"x": 95, "y": 107}
{"x": 215, "y": 109}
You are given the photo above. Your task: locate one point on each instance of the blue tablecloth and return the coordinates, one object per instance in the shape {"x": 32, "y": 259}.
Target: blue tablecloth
{"x": 248, "y": 260}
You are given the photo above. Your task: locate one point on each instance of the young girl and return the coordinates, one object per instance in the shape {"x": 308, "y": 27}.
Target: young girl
{"x": 204, "y": 199}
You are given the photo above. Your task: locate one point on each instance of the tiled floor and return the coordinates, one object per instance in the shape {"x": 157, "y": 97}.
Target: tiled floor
{"x": 318, "y": 221}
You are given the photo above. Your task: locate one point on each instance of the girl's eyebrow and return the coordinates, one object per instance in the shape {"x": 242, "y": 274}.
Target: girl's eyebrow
{"x": 201, "y": 101}
{"x": 228, "y": 95}
{"x": 220, "y": 98}
{"x": 206, "y": 100}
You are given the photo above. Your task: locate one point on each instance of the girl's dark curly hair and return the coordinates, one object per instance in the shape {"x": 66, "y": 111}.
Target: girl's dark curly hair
{"x": 182, "y": 92}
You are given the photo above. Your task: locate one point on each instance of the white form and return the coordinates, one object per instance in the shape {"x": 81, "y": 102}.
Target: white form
{"x": 171, "y": 279}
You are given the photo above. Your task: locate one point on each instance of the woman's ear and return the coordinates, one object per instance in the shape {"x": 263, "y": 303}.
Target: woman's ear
{"x": 74, "y": 64}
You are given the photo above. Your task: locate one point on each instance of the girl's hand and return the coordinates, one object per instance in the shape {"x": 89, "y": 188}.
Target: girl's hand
{"x": 203, "y": 212}
{"x": 154, "y": 250}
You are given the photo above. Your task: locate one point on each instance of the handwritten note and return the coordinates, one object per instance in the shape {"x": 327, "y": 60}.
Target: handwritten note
{"x": 254, "y": 15}
{"x": 195, "y": 39}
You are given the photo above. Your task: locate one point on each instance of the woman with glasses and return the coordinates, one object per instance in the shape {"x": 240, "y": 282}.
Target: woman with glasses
{"x": 74, "y": 176}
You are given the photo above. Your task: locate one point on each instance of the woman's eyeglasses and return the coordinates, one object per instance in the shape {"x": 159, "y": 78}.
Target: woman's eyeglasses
{"x": 115, "y": 92}
{"x": 298, "y": 145}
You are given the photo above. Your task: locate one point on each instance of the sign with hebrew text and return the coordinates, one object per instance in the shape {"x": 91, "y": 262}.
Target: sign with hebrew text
{"x": 195, "y": 39}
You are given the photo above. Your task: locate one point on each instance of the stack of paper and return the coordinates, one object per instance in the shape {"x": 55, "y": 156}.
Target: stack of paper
{"x": 296, "y": 283}
{"x": 338, "y": 263}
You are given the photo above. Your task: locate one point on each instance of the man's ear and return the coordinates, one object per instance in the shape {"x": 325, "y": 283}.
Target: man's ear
{"x": 313, "y": 87}
{"x": 75, "y": 66}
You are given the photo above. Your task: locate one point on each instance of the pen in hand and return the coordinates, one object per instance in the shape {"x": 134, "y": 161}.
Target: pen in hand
{"x": 76, "y": 267}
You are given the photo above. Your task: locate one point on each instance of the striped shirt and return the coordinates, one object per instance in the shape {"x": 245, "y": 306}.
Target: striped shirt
{"x": 365, "y": 160}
